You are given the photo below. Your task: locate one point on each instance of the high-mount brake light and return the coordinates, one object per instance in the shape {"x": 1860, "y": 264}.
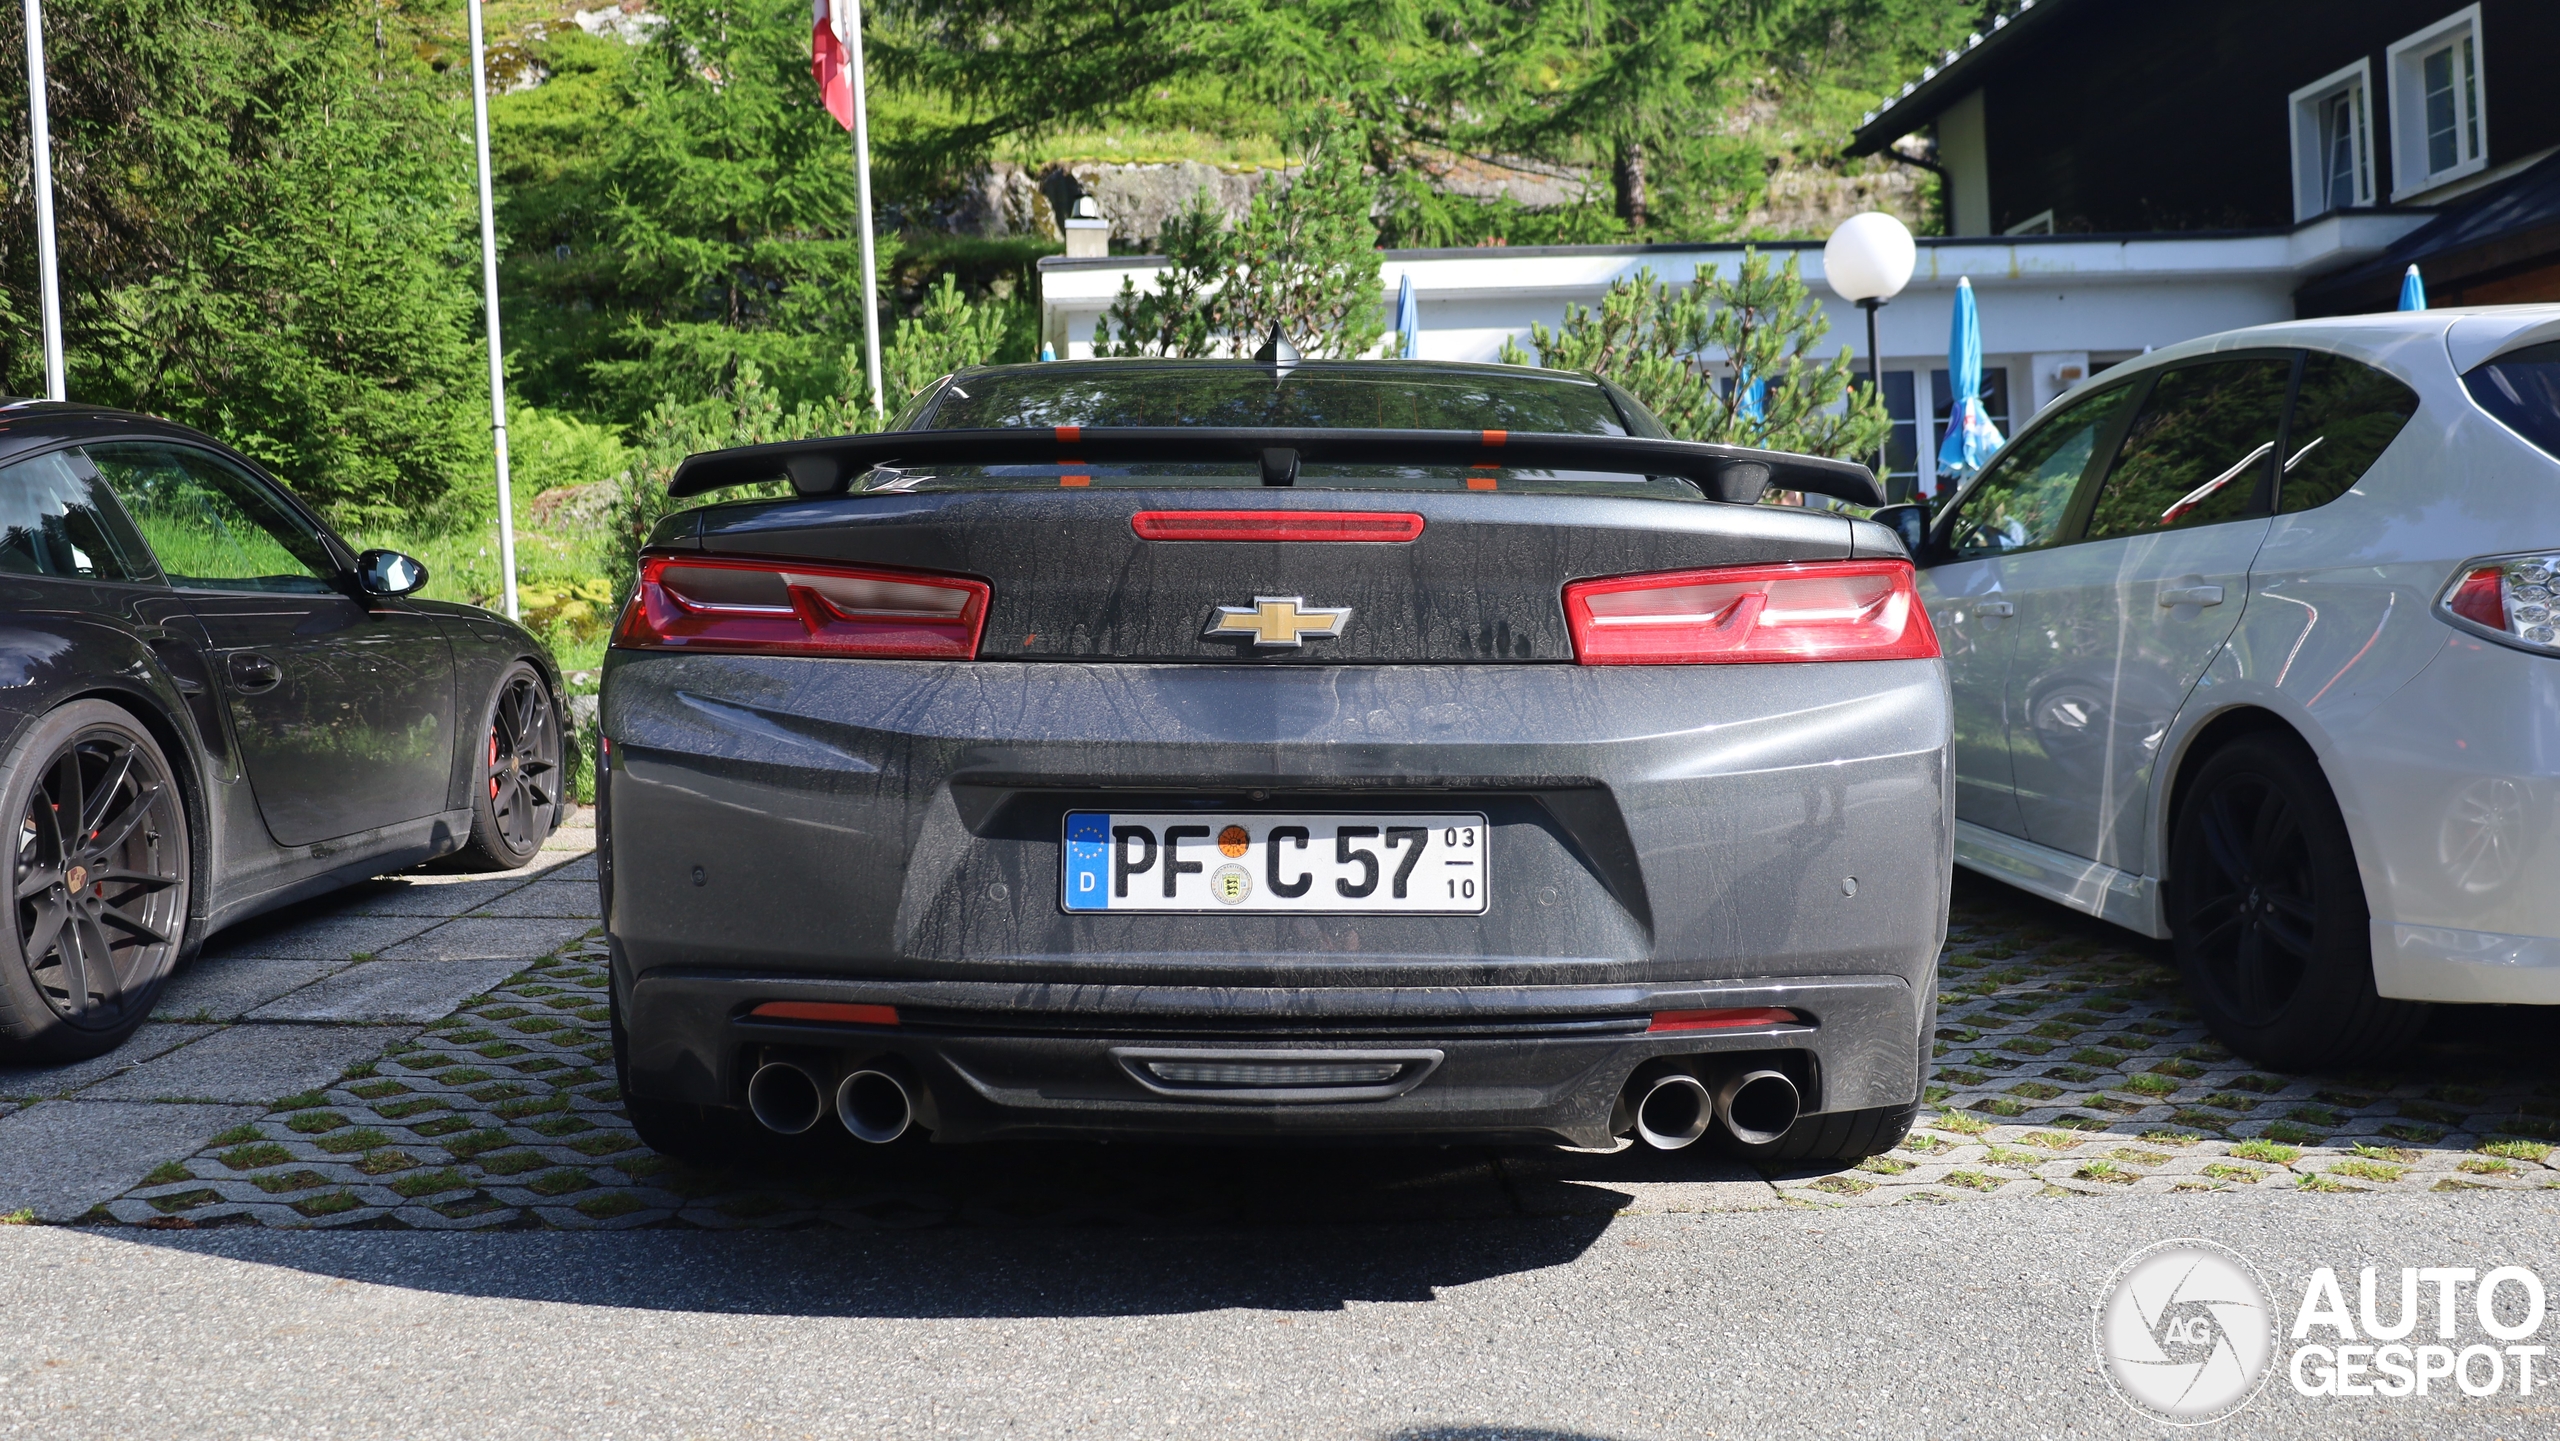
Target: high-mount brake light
{"x": 1809, "y": 611}
{"x": 734, "y": 606}
{"x": 1334, "y": 525}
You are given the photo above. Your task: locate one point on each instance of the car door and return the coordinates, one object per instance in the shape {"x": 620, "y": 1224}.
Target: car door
{"x": 343, "y": 708}
{"x": 2015, "y": 511}
{"x": 2115, "y": 628}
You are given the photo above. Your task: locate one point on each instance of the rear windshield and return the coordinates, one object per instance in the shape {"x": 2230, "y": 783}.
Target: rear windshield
{"x": 2522, "y": 388}
{"x": 1244, "y": 395}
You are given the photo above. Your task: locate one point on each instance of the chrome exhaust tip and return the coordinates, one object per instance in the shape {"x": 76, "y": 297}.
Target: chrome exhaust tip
{"x": 1673, "y": 1112}
{"x": 1758, "y": 1107}
{"x": 784, "y": 1098}
{"x": 875, "y": 1106}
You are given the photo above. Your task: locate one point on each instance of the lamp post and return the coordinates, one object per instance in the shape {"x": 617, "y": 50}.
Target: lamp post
{"x": 40, "y": 146}
{"x": 489, "y": 295}
{"x": 1868, "y": 260}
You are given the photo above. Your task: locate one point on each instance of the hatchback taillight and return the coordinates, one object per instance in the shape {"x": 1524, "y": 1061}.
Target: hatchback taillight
{"x": 2510, "y": 598}
{"x": 1815, "y": 610}
{"x": 787, "y": 607}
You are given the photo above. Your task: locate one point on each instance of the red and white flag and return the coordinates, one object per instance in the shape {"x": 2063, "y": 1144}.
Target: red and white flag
{"x": 830, "y": 60}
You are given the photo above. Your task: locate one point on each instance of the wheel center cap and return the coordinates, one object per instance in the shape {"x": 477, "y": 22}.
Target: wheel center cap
{"x": 76, "y": 878}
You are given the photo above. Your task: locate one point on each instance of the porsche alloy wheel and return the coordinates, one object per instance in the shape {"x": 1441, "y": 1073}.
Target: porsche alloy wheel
{"x": 100, "y": 881}
{"x": 520, "y": 794}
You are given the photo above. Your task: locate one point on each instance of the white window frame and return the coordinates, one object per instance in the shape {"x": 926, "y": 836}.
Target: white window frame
{"x": 2409, "y": 173}
{"x": 2310, "y": 156}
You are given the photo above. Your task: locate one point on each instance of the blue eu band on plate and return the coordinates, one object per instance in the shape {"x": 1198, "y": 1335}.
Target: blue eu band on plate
{"x": 1306, "y": 863}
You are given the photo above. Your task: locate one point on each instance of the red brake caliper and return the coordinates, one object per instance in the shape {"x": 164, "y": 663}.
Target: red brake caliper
{"x": 493, "y": 765}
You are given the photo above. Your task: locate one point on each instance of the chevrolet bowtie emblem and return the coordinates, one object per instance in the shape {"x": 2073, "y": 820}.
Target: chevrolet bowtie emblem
{"x": 1280, "y": 620}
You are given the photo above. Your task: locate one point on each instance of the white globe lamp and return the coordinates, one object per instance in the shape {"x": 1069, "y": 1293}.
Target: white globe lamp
{"x": 1868, "y": 260}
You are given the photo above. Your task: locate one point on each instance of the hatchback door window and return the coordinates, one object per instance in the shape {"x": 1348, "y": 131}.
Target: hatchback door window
{"x": 2200, "y": 451}
{"x": 2346, "y": 414}
{"x": 55, "y": 521}
{"x": 213, "y": 525}
{"x": 2019, "y": 503}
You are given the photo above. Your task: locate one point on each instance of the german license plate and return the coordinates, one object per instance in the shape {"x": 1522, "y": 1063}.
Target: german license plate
{"x": 1150, "y": 861}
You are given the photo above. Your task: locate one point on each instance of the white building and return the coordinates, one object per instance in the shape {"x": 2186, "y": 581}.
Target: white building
{"x": 2054, "y": 308}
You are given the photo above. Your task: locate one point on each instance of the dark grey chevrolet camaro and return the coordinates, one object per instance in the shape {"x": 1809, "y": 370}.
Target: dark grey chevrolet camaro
{"x": 1224, "y": 749}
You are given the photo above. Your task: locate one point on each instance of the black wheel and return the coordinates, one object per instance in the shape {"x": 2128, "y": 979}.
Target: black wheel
{"x": 100, "y": 882}
{"x": 521, "y": 796}
{"x": 1850, "y": 1135}
{"x": 2267, "y": 914}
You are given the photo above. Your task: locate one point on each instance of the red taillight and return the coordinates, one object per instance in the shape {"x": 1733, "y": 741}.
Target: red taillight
{"x": 1733, "y": 1019}
{"x": 2479, "y": 597}
{"x": 836, "y": 1012}
{"x": 1275, "y": 525}
{"x": 788, "y": 607}
{"x": 1818, "y": 610}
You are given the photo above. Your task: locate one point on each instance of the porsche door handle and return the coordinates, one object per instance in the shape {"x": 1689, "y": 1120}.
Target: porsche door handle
{"x": 1994, "y": 608}
{"x": 2197, "y": 595}
{"x": 253, "y": 674}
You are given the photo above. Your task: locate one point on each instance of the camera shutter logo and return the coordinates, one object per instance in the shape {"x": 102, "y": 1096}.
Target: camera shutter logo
{"x": 2185, "y": 1332}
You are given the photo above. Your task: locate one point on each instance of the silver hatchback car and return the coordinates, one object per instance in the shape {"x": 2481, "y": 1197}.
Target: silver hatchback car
{"x": 2252, "y": 644}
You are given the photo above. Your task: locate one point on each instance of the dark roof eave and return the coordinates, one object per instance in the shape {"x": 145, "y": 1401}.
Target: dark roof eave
{"x": 1957, "y": 79}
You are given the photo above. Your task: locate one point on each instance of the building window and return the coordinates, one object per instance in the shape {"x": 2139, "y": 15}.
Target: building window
{"x": 2439, "y": 130}
{"x": 2333, "y": 142}
{"x": 1902, "y": 448}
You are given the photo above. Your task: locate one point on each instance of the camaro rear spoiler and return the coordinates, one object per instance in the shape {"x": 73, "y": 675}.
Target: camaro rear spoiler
{"x": 1731, "y": 473}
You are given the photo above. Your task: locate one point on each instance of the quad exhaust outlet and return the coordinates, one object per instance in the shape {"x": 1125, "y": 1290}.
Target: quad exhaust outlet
{"x": 1758, "y": 1107}
{"x": 877, "y": 1102}
{"x": 785, "y": 1098}
{"x": 1673, "y": 1111}
{"x": 876, "y": 1106}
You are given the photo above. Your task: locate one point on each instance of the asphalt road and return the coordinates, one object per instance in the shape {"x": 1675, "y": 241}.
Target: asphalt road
{"x": 1962, "y": 1320}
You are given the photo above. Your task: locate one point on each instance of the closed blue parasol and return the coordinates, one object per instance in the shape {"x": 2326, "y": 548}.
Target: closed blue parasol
{"x": 1408, "y": 321}
{"x": 2413, "y": 291}
{"x": 1971, "y": 437}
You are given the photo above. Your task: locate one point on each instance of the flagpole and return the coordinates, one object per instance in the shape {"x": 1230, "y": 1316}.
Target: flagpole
{"x": 489, "y": 291}
{"x": 862, "y": 187}
{"x": 40, "y": 138}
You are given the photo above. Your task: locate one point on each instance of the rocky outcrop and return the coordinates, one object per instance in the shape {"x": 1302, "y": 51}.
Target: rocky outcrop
{"x": 1009, "y": 199}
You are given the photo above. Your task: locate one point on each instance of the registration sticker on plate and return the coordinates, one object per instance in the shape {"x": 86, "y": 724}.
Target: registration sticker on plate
{"x": 1122, "y": 861}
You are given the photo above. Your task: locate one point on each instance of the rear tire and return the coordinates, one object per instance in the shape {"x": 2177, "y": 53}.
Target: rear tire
{"x": 2267, "y": 914}
{"x": 100, "y": 879}
{"x": 1848, "y": 1136}
{"x": 520, "y": 795}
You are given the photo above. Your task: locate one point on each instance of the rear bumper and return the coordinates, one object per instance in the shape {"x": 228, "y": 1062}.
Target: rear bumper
{"x": 1530, "y": 1065}
{"x": 890, "y": 833}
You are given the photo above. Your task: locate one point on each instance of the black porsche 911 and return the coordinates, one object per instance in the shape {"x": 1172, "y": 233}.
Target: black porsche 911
{"x": 214, "y": 706}
{"x": 1255, "y": 749}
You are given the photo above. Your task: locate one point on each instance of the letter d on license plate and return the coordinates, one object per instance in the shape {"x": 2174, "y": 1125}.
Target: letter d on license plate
{"x": 1203, "y": 861}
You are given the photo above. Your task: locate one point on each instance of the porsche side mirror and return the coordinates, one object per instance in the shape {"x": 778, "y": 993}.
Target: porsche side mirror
{"x": 388, "y": 572}
{"x": 1909, "y": 520}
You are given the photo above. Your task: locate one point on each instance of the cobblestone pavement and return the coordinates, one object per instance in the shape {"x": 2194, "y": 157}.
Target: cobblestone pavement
{"x": 2068, "y": 1065}
{"x": 279, "y": 1005}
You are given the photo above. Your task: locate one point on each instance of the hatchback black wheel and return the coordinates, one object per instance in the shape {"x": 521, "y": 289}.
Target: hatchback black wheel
{"x": 519, "y": 799}
{"x": 2268, "y": 914}
{"x": 100, "y": 882}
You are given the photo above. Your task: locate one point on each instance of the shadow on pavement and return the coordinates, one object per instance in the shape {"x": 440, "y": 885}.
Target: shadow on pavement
{"x": 921, "y": 1275}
